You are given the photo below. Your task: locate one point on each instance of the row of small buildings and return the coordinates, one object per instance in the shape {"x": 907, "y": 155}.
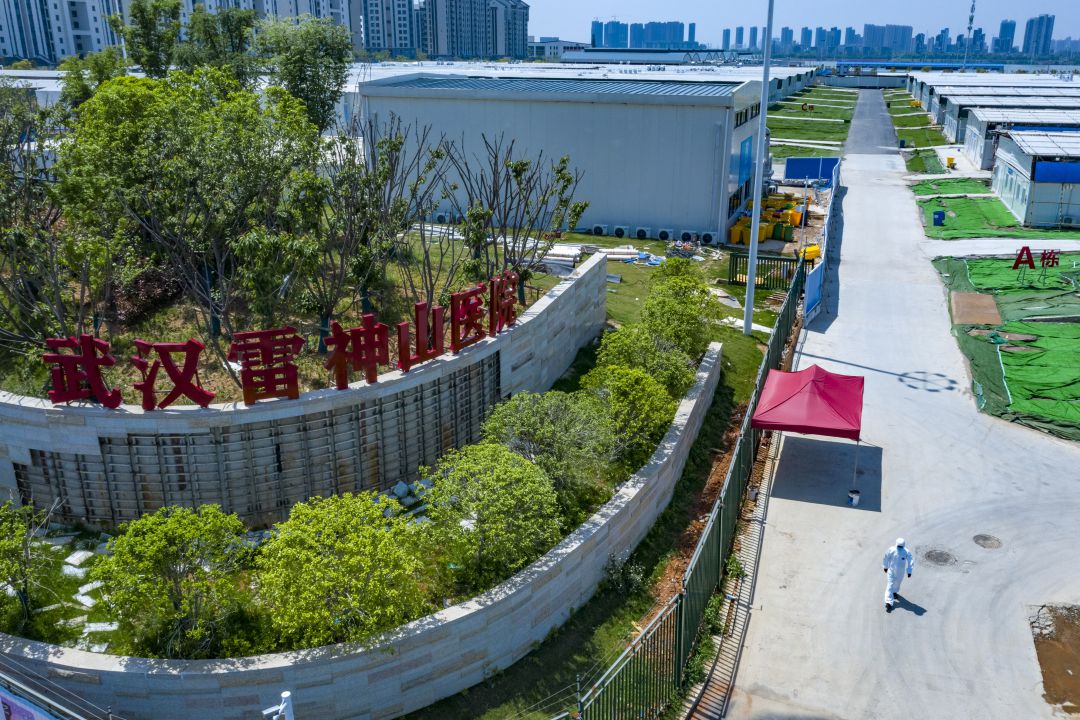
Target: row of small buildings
{"x": 663, "y": 152}
{"x": 1025, "y": 128}
{"x": 47, "y": 31}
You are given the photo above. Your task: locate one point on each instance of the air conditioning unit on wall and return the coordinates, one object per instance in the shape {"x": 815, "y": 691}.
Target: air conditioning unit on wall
{"x": 621, "y": 231}
{"x": 687, "y": 235}
{"x": 666, "y": 235}
{"x": 642, "y": 233}
{"x": 599, "y": 230}
{"x": 708, "y": 238}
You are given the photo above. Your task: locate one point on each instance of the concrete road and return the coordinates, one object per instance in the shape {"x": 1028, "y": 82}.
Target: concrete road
{"x": 932, "y": 469}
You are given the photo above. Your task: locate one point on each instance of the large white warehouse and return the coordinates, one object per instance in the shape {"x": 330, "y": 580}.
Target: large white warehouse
{"x": 656, "y": 154}
{"x": 1037, "y": 176}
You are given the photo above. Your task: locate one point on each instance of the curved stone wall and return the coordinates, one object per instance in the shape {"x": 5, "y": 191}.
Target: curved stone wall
{"x": 108, "y": 466}
{"x": 428, "y": 659}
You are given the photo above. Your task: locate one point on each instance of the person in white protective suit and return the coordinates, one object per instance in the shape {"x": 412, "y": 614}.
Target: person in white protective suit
{"x": 897, "y": 562}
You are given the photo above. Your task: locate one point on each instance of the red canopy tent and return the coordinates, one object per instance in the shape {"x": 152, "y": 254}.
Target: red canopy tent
{"x": 813, "y": 401}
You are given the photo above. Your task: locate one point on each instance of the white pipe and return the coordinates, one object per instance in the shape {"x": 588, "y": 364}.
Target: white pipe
{"x": 759, "y": 168}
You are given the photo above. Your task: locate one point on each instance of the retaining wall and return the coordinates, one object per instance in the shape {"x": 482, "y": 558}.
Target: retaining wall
{"x": 866, "y": 81}
{"x": 108, "y": 466}
{"x": 429, "y": 659}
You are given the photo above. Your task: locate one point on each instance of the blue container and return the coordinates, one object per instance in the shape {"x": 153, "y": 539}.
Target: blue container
{"x": 939, "y": 217}
{"x": 902, "y": 142}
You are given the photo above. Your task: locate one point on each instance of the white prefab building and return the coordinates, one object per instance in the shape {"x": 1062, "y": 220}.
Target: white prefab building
{"x": 1037, "y": 176}
{"x": 656, "y": 154}
{"x": 985, "y": 126}
{"x": 959, "y": 108}
{"x": 925, "y": 85}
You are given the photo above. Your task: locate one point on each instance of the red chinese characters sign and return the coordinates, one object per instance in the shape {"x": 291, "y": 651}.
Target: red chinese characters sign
{"x": 266, "y": 358}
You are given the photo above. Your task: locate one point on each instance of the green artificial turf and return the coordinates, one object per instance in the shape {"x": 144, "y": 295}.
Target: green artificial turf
{"x": 981, "y": 217}
{"x": 951, "y": 186}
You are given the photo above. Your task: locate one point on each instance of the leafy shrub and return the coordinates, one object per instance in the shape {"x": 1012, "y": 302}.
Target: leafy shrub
{"x": 638, "y": 404}
{"x": 172, "y": 580}
{"x": 339, "y": 569}
{"x": 624, "y": 577}
{"x": 569, "y": 436}
{"x": 680, "y": 309}
{"x": 635, "y": 346}
{"x": 492, "y": 512}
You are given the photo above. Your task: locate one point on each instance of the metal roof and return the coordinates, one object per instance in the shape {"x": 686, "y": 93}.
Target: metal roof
{"x": 569, "y": 86}
{"x": 1021, "y": 101}
{"x": 1023, "y": 116}
{"x": 1048, "y": 144}
{"x": 1007, "y": 91}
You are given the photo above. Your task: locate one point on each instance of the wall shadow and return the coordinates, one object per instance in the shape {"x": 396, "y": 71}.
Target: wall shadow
{"x": 830, "y": 292}
{"x": 819, "y": 470}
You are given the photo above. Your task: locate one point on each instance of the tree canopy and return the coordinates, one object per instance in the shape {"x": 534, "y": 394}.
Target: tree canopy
{"x": 151, "y": 37}
{"x": 635, "y": 346}
{"x": 492, "y": 512}
{"x": 638, "y": 404}
{"x": 171, "y": 579}
{"x": 339, "y": 569}
{"x": 310, "y": 58}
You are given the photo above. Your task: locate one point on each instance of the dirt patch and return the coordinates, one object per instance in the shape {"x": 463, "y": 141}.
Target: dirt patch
{"x": 1019, "y": 349}
{"x": 1056, "y": 629}
{"x": 1014, "y": 337}
{"x": 974, "y": 309}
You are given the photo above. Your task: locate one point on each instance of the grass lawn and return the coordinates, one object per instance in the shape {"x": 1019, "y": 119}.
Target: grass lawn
{"x": 951, "y": 186}
{"x": 795, "y": 129}
{"x": 981, "y": 217}
{"x": 924, "y": 161}
{"x": 820, "y": 111}
{"x": 911, "y": 121}
{"x": 922, "y": 137}
{"x": 780, "y": 152}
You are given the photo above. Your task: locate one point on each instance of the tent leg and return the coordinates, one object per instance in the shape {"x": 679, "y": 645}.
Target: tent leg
{"x": 855, "y": 474}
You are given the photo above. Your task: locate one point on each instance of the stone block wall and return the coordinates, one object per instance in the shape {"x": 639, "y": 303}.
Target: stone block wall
{"x": 428, "y": 659}
{"x": 108, "y": 466}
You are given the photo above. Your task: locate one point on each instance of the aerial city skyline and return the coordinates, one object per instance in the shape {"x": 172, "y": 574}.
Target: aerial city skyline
{"x": 1033, "y": 38}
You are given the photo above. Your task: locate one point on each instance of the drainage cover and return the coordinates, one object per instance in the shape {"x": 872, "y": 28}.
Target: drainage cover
{"x": 987, "y": 541}
{"x": 939, "y": 557}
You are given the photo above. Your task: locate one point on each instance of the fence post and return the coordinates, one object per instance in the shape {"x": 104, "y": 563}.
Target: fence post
{"x": 580, "y": 702}
{"x": 680, "y": 638}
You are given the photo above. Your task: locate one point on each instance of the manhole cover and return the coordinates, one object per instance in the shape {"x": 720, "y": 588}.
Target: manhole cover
{"x": 987, "y": 541}
{"x": 939, "y": 557}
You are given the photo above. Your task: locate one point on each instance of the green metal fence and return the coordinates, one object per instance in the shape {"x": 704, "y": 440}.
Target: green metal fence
{"x": 774, "y": 272}
{"x": 650, "y": 672}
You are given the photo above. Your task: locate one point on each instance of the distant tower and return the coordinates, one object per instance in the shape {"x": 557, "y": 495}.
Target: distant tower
{"x": 967, "y": 44}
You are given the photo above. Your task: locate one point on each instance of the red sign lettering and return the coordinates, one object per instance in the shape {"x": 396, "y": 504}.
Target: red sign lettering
{"x": 266, "y": 363}
{"x": 1049, "y": 258}
{"x": 429, "y": 337}
{"x": 1023, "y": 257}
{"x": 466, "y": 317}
{"x": 77, "y": 375}
{"x": 360, "y": 348}
{"x": 502, "y": 305}
{"x": 181, "y": 377}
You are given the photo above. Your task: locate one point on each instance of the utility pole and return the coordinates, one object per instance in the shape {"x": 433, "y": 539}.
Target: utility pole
{"x": 759, "y": 167}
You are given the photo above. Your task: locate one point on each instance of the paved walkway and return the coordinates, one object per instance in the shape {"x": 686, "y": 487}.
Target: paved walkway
{"x": 932, "y": 469}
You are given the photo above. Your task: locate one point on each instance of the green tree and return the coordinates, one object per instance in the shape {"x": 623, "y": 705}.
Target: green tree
{"x": 83, "y": 75}
{"x": 308, "y": 57}
{"x": 340, "y": 569}
{"x": 173, "y": 580}
{"x": 273, "y": 268}
{"x": 567, "y": 435}
{"x": 638, "y": 404}
{"x": 151, "y": 37}
{"x": 634, "y": 346}
{"x": 220, "y": 39}
{"x": 492, "y": 513}
{"x": 23, "y": 64}
{"x": 682, "y": 311}
{"x": 18, "y": 555}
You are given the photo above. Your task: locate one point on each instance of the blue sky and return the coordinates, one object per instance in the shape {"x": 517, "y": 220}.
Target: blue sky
{"x": 570, "y": 19}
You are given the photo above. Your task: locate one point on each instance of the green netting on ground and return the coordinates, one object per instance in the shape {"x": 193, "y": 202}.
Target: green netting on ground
{"x": 1032, "y": 382}
{"x": 950, "y": 186}
{"x": 980, "y": 217}
{"x": 924, "y": 161}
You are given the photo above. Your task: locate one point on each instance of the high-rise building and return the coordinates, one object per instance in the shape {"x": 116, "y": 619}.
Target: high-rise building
{"x": 832, "y": 40}
{"x": 616, "y": 34}
{"x": 726, "y": 43}
{"x": 920, "y": 44}
{"x": 637, "y": 35}
{"x": 787, "y": 39}
{"x": 597, "y": 34}
{"x": 1038, "y": 34}
{"x": 978, "y": 42}
{"x": 1006, "y": 38}
{"x": 739, "y": 37}
{"x": 691, "y": 36}
{"x": 389, "y": 27}
{"x": 819, "y": 40}
{"x": 806, "y": 39}
{"x": 850, "y": 37}
{"x": 898, "y": 38}
{"x": 753, "y": 37}
{"x": 509, "y": 28}
{"x": 942, "y": 41}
